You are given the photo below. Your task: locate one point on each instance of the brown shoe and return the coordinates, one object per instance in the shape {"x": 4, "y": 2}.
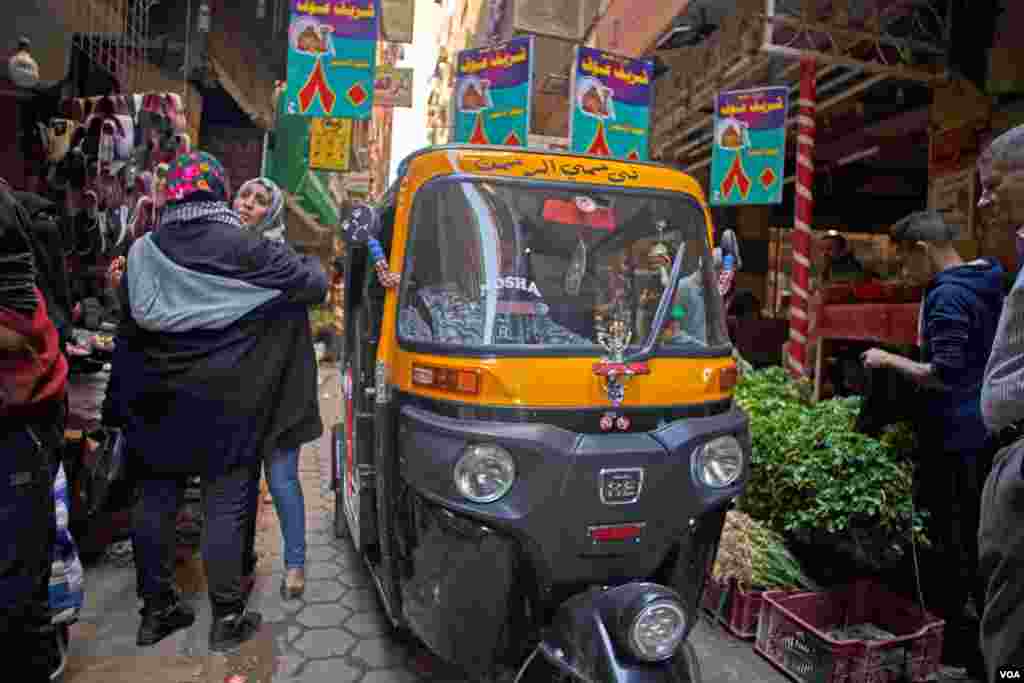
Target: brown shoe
{"x": 294, "y": 584}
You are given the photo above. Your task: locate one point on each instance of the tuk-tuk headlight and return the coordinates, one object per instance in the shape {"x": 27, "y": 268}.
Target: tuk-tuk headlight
{"x": 719, "y": 462}
{"x": 484, "y": 473}
{"x": 657, "y": 630}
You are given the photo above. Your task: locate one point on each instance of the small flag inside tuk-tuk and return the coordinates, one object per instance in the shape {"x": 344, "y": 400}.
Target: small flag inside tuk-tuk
{"x": 361, "y": 225}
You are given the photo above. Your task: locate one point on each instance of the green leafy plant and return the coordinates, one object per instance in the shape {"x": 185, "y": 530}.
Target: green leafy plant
{"x": 812, "y": 472}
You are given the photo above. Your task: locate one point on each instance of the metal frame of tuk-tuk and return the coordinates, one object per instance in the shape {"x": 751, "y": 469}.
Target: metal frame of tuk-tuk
{"x": 371, "y": 416}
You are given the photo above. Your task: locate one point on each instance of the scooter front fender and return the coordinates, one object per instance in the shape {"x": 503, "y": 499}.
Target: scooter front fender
{"x": 581, "y": 644}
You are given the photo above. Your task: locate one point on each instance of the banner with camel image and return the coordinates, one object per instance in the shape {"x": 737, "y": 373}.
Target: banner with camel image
{"x": 332, "y": 50}
{"x": 492, "y": 94}
{"x": 610, "y": 105}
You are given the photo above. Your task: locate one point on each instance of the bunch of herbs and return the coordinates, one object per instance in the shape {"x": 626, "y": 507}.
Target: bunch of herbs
{"x": 811, "y": 471}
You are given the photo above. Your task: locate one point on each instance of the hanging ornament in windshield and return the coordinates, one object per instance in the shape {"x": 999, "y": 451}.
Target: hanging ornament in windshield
{"x": 577, "y": 268}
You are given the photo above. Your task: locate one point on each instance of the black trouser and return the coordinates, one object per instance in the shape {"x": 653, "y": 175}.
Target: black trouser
{"x": 227, "y": 512}
{"x": 949, "y": 488}
{"x": 1001, "y": 545}
{"x": 28, "y": 531}
{"x": 254, "y": 506}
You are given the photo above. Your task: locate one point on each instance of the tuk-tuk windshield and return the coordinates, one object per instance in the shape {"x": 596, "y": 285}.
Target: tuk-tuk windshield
{"x": 497, "y": 264}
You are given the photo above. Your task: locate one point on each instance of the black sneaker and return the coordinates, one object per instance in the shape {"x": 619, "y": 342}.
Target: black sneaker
{"x": 157, "y": 624}
{"x": 229, "y": 632}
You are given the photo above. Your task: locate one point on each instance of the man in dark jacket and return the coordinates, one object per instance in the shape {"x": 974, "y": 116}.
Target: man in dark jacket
{"x": 958, "y": 322}
{"x": 206, "y": 381}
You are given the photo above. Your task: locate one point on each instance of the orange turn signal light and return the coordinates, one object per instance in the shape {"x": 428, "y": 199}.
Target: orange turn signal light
{"x": 455, "y": 380}
{"x": 728, "y": 378}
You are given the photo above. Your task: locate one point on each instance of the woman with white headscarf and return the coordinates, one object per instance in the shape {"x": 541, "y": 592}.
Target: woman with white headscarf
{"x": 260, "y": 205}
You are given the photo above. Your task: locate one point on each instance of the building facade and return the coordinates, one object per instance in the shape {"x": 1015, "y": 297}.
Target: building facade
{"x": 557, "y": 29}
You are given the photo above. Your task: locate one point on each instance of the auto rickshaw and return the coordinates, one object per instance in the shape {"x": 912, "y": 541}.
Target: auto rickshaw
{"x": 539, "y": 440}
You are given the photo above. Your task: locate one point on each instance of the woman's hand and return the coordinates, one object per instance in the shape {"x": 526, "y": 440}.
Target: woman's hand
{"x": 875, "y": 358}
{"x": 388, "y": 278}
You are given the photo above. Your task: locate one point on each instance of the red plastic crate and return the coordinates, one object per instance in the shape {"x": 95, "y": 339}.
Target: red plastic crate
{"x": 792, "y": 634}
{"x": 740, "y": 610}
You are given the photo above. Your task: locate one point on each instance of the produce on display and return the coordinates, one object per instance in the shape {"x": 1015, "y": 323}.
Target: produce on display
{"x": 812, "y": 473}
{"x": 756, "y": 557}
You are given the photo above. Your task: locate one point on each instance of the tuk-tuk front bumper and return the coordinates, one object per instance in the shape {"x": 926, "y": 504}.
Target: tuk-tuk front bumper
{"x": 471, "y": 560}
{"x": 558, "y": 505}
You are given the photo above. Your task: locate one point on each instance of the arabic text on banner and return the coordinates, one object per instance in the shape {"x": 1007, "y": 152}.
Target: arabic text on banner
{"x": 610, "y": 104}
{"x": 748, "y": 157}
{"x": 332, "y": 47}
{"x": 492, "y": 94}
{"x": 330, "y": 142}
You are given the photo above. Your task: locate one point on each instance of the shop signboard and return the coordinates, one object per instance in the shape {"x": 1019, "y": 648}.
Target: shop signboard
{"x": 392, "y": 87}
{"x": 397, "y": 20}
{"x": 610, "y": 105}
{"x": 330, "y": 143}
{"x": 332, "y": 48}
{"x": 492, "y": 94}
{"x": 748, "y": 155}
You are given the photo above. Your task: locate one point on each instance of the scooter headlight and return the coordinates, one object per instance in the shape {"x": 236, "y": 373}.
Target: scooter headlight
{"x": 719, "y": 462}
{"x": 657, "y": 630}
{"x": 484, "y": 473}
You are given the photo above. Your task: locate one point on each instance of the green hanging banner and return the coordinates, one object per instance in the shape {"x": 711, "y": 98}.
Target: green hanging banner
{"x": 288, "y": 166}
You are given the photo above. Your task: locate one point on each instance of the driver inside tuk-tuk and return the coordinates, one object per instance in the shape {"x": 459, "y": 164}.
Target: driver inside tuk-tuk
{"x": 458, "y": 317}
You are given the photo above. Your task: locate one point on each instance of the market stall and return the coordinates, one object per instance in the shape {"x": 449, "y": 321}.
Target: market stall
{"x": 883, "y": 314}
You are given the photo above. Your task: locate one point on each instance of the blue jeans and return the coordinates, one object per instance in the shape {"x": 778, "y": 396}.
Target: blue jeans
{"x": 282, "y": 472}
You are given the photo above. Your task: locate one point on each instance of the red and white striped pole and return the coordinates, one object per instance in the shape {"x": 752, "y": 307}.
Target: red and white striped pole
{"x": 801, "y": 236}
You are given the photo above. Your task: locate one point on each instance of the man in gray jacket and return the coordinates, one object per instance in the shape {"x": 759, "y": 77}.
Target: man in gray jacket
{"x": 1001, "y": 537}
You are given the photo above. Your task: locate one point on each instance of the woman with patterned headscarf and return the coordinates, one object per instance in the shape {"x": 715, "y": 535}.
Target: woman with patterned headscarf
{"x": 207, "y": 382}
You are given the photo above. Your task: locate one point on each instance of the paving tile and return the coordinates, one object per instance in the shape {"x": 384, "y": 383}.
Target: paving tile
{"x": 318, "y": 539}
{"x": 319, "y": 616}
{"x": 273, "y": 614}
{"x": 390, "y": 676}
{"x": 323, "y": 591}
{"x": 368, "y": 624}
{"x": 335, "y": 670}
{"x": 320, "y": 643}
{"x": 356, "y": 577}
{"x": 322, "y": 570}
{"x": 361, "y": 600}
{"x": 288, "y": 662}
{"x": 320, "y": 554}
{"x": 380, "y": 653}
